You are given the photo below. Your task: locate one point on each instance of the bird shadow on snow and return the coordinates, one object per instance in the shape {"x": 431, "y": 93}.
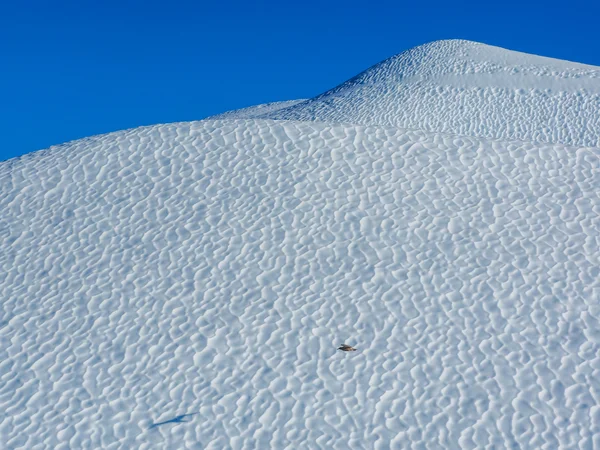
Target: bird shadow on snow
{"x": 178, "y": 419}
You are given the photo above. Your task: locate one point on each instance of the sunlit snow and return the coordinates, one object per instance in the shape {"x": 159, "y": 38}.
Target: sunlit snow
{"x": 187, "y": 286}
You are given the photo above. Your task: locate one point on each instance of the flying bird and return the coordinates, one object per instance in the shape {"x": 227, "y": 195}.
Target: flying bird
{"x": 346, "y": 348}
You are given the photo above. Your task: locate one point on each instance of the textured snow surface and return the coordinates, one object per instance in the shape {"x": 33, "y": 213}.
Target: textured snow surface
{"x": 252, "y": 112}
{"x": 468, "y": 88}
{"x": 212, "y": 268}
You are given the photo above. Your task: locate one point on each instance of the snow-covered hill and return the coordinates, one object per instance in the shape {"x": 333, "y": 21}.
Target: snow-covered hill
{"x": 212, "y": 268}
{"x": 467, "y": 88}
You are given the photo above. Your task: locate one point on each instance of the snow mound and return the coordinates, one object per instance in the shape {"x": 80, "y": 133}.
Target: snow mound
{"x": 187, "y": 285}
{"x": 214, "y": 267}
{"x": 467, "y": 88}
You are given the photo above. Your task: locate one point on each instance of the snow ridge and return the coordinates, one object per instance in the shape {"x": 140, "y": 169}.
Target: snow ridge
{"x": 467, "y": 88}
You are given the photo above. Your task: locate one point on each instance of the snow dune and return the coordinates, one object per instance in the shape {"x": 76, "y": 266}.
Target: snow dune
{"x": 186, "y": 285}
{"x": 468, "y": 88}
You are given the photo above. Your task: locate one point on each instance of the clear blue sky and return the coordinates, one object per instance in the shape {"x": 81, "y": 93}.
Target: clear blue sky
{"x": 72, "y": 69}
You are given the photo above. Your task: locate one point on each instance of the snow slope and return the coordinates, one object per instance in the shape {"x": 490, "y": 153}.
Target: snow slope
{"x": 212, "y": 268}
{"x": 254, "y": 111}
{"x": 471, "y": 89}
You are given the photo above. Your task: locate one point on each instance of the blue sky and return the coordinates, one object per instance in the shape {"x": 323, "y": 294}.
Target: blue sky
{"x": 72, "y": 69}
